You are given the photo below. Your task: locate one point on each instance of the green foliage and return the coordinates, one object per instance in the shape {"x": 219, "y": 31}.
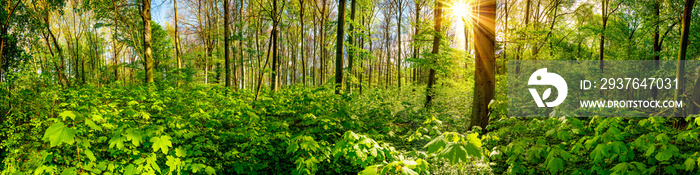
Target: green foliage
{"x": 594, "y": 146}
{"x": 203, "y": 130}
{"x": 58, "y": 133}
{"x": 455, "y": 147}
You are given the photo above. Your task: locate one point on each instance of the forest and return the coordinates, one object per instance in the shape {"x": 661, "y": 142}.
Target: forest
{"x": 347, "y": 86}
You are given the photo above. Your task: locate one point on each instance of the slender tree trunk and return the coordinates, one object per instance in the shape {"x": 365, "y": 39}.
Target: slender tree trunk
{"x": 485, "y": 82}
{"x": 351, "y": 51}
{"x": 339, "y": 47}
{"x": 177, "y": 43}
{"x": 519, "y": 51}
{"x": 275, "y": 44}
{"x": 227, "y": 59}
{"x": 302, "y": 38}
{"x": 601, "y": 49}
{"x": 680, "y": 71}
{"x": 416, "y": 29}
{"x": 436, "y": 49}
{"x": 262, "y": 73}
{"x": 314, "y": 53}
{"x": 61, "y": 68}
{"x": 148, "y": 58}
{"x": 657, "y": 45}
{"x": 114, "y": 42}
{"x": 399, "y": 5}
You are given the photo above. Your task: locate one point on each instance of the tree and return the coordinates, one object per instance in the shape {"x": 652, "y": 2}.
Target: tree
{"x": 227, "y": 63}
{"x": 4, "y": 27}
{"x": 605, "y": 12}
{"x": 352, "y": 51}
{"x": 147, "y": 57}
{"x": 177, "y": 42}
{"x": 339, "y": 47}
{"x": 302, "y": 38}
{"x": 399, "y": 13}
{"x": 680, "y": 70}
{"x": 274, "y": 79}
{"x": 485, "y": 83}
{"x": 429, "y": 95}
{"x": 416, "y": 29}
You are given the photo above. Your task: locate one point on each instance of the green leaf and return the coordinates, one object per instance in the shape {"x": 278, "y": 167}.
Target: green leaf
{"x": 135, "y": 136}
{"x": 69, "y": 171}
{"x": 161, "y": 143}
{"x": 436, "y": 144}
{"x": 90, "y": 155}
{"x": 650, "y": 150}
{"x": 92, "y": 125}
{"x": 473, "y": 139}
{"x": 209, "y": 170}
{"x": 370, "y": 170}
{"x": 455, "y": 153}
{"x": 599, "y": 153}
{"x": 689, "y": 164}
{"x": 130, "y": 170}
{"x": 408, "y": 171}
{"x": 174, "y": 163}
{"x": 666, "y": 152}
{"x": 555, "y": 165}
{"x": 117, "y": 141}
{"x": 180, "y": 152}
{"x": 68, "y": 114}
{"x": 59, "y": 133}
{"x": 197, "y": 167}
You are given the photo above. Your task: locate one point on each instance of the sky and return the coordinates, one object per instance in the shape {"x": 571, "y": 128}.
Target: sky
{"x": 161, "y": 11}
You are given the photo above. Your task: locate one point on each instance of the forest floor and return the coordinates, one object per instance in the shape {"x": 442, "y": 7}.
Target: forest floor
{"x": 206, "y": 129}
{"x": 300, "y": 130}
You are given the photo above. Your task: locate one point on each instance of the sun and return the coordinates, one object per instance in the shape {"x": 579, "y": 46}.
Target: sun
{"x": 460, "y": 9}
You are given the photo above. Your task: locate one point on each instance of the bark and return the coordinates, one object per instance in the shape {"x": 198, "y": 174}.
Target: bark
{"x": 416, "y": 29}
{"x": 680, "y": 71}
{"x": 657, "y": 46}
{"x": 147, "y": 56}
{"x": 436, "y": 49}
{"x": 177, "y": 42}
{"x": 399, "y": 4}
{"x": 339, "y": 47}
{"x": 61, "y": 69}
{"x": 227, "y": 59}
{"x": 275, "y": 44}
{"x": 484, "y": 87}
{"x": 114, "y": 42}
{"x": 303, "y": 59}
{"x": 351, "y": 53}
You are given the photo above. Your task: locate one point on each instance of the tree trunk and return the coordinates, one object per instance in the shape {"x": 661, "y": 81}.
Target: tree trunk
{"x": 680, "y": 71}
{"x": 147, "y": 57}
{"x": 61, "y": 71}
{"x": 177, "y": 43}
{"x": 484, "y": 87}
{"x": 519, "y": 51}
{"x": 399, "y": 5}
{"x": 303, "y": 59}
{"x": 227, "y": 59}
{"x": 339, "y": 47}
{"x": 275, "y": 38}
{"x": 436, "y": 49}
{"x": 114, "y": 42}
{"x": 657, "y": 45}
{"x": 601, "y": 49}
{"x": 351, "y": 53}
